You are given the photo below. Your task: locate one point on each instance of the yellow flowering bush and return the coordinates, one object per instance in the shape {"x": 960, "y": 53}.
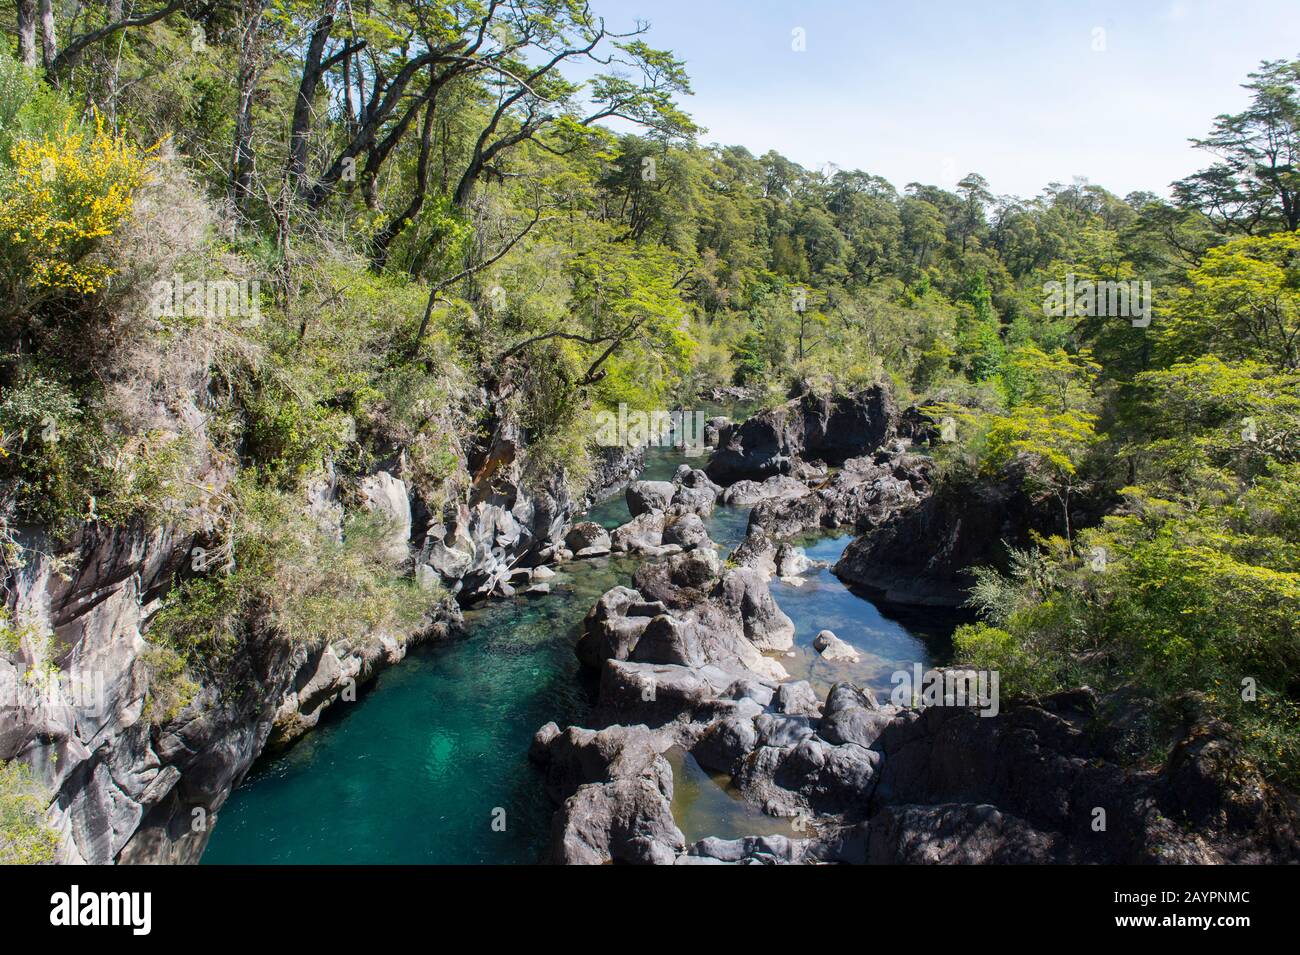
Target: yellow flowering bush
{"x": 65, "y": 194}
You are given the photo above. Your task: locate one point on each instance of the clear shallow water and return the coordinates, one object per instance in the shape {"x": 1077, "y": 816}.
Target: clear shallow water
{"x": 418, "y": 769}
{"x": 818, "y": 601}
{"x": 705, "y": 804}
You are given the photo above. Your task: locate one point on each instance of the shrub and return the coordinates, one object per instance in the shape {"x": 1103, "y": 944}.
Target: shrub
{"x": 25, "y": 837}
{"x": 64, "y": 194}
{"x": 280, "y": 570}
{"x": 67, "y": 460}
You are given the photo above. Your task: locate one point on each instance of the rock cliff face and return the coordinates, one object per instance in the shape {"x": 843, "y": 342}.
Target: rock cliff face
{"x": 829, "y": 429}
{"x": 922, "y": 555}
{"x": 129, "y": 786}
{"x": 133, "y": 787}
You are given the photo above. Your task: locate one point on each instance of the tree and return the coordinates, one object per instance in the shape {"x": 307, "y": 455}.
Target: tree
{"x": 1205, "y": 419}
{"x": 1255, "y": 187}
{"x": 525, "y": 100}
{"x": 979, "y": 340}
{"x": 57, "y": 61}
{"x": 1054, "y": 444}
{"x": 975, "y": 196}
{"x": 247, "y": 71}
{"x": 1055, "y": 378}
{"x": 625, "y": 308}
{"x": 1243, "y": 302}
{"x": 923, "y": 228}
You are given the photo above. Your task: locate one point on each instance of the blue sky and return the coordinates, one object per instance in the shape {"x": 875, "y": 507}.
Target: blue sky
{"x": 928, "y": 91}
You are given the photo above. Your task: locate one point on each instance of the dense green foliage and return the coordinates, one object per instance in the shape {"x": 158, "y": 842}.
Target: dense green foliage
{"x": 448, "y": 235}
{"x": 25, "y": 839}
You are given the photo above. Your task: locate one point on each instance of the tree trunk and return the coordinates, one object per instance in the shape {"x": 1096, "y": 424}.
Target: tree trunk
{"x": 379, "y": 253}
{"x": 300, "y": 131}
{"x": 111, "y": 65}
{"x": 241, "y": 161}
{"x": 27, "y": 32}
{"x": 49, "y": 39}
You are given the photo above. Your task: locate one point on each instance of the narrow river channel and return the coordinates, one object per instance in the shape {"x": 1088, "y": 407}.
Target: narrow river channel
{"x": 421, "y": 765}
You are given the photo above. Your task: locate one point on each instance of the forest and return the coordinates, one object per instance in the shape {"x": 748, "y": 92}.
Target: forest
{"x": 246, "y": 245}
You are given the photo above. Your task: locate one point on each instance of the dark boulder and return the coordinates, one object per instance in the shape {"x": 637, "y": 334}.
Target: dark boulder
{"x": 644, "y": 534}
{"x": 827, "y": 428}
{"x": 923, "y": 555}
{"x": 645, "y": 496}
{"x": 686, "y": 532}
{"x": 614, "y": 625}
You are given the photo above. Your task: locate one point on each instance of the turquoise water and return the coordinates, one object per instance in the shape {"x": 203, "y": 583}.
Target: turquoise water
{"x": 430, "y": 765}
{"x": 421, "y": 766}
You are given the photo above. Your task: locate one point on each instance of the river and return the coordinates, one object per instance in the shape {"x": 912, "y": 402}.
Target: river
{"x": 429, "y": 765}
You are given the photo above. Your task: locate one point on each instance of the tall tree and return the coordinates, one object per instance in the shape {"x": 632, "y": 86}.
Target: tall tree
{"x": 1255, "y": 187}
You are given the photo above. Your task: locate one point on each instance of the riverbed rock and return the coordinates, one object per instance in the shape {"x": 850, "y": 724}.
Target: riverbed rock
{"x": 647, "y": 496}
{"x": 797, "y": 698}
{"x": 644, "y": 534}
{"x": 725, "y": 743}
{"x": 669, "y": 640}
{"x": 864, "y": 494}
{"x": 613, "y": 626}
{"x": 587, "y": 539}
{"x": 834, "y": 649}
{"x": 687, "y": 531}
{"x": 695, "y": 500}
{"x": 661, "y": 693}
{"x": 777, "y": 487}
{"x": 682, "y": 581}
{"x": 775, "y": 850}
{"x": 615, "y": 790}
{"x": 884, "y": 784}
{"x": 852, "y": 715}
{"x": 811, "y": 473}
{"x": 745, "y": 594}
{"x": 713, "y": 429}
{"x": 792, "y": 561}
{"x": 575, "y": 757}
{"x": 734, "y": 609}
{"x": 628, "y": 821}
{"x": 957, "y": 834}
{"x": 696, "y": 479}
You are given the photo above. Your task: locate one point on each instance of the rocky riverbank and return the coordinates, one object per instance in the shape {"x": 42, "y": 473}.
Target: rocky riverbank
{"x": 871, "y": 783}
{"x": 689, "y": 659}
